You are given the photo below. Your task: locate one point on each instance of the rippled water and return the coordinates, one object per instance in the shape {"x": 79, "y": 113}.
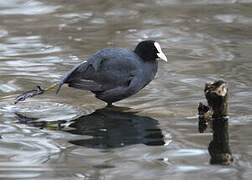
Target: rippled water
{"x": 72, "y": 136}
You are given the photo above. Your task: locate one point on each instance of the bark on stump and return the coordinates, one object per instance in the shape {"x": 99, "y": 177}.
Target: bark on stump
{"x": 216, "y": 112}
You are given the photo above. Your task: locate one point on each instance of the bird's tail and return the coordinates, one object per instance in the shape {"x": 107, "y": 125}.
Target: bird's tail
{"x": 65, "y": 78}
{"x": 59, "y": 86}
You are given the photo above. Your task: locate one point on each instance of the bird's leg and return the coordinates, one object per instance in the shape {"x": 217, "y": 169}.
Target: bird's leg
{"x": 51, "y": 87}
{"x": 34, "y": 92}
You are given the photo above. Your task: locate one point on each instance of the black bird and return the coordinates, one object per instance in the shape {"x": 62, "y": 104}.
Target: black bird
{"x": 113, "y": 74}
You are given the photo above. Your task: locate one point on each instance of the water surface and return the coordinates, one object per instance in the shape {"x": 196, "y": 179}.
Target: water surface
{"x": 156, "y": 136}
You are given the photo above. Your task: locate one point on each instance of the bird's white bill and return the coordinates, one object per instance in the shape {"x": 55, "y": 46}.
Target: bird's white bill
{"x": 160, "y": 53}
{"x": 162, "y": 56}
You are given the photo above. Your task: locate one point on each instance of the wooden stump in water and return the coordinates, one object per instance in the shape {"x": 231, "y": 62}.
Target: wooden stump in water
{"x": 216, "y": 94}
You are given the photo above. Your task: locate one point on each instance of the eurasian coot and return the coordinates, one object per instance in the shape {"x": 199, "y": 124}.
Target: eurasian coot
{"x": 113, "y": 74}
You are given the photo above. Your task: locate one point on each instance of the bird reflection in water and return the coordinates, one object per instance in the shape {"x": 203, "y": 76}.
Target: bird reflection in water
{"x": 110, "y": 127}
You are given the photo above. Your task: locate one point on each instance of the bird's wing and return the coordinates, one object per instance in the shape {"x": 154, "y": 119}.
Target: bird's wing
{"x": 121, "y": 92}
{"x": 78, "y": 78}
{"x": 107, "y": 69}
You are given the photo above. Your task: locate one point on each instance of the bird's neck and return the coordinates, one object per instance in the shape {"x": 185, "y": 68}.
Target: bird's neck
{"x": 151, "y": 69}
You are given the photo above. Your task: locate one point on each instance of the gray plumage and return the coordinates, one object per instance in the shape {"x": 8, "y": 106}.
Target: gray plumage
{"x": 113, "y": 74}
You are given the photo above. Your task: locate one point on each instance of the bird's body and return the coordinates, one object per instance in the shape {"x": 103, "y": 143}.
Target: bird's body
{"x": 113, "y": 74}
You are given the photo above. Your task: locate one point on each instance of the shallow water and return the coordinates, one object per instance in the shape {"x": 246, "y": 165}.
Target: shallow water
{"x": 71, "y": 136}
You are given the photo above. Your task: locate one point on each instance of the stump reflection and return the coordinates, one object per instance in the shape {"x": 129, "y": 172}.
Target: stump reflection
{"x": 219, "y": 148}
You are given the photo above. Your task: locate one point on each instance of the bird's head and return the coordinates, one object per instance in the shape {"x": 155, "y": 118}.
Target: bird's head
{"x": 150, "y": 50}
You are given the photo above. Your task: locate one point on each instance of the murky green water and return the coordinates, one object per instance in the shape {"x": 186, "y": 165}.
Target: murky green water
{"x": 71, "y": 136}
